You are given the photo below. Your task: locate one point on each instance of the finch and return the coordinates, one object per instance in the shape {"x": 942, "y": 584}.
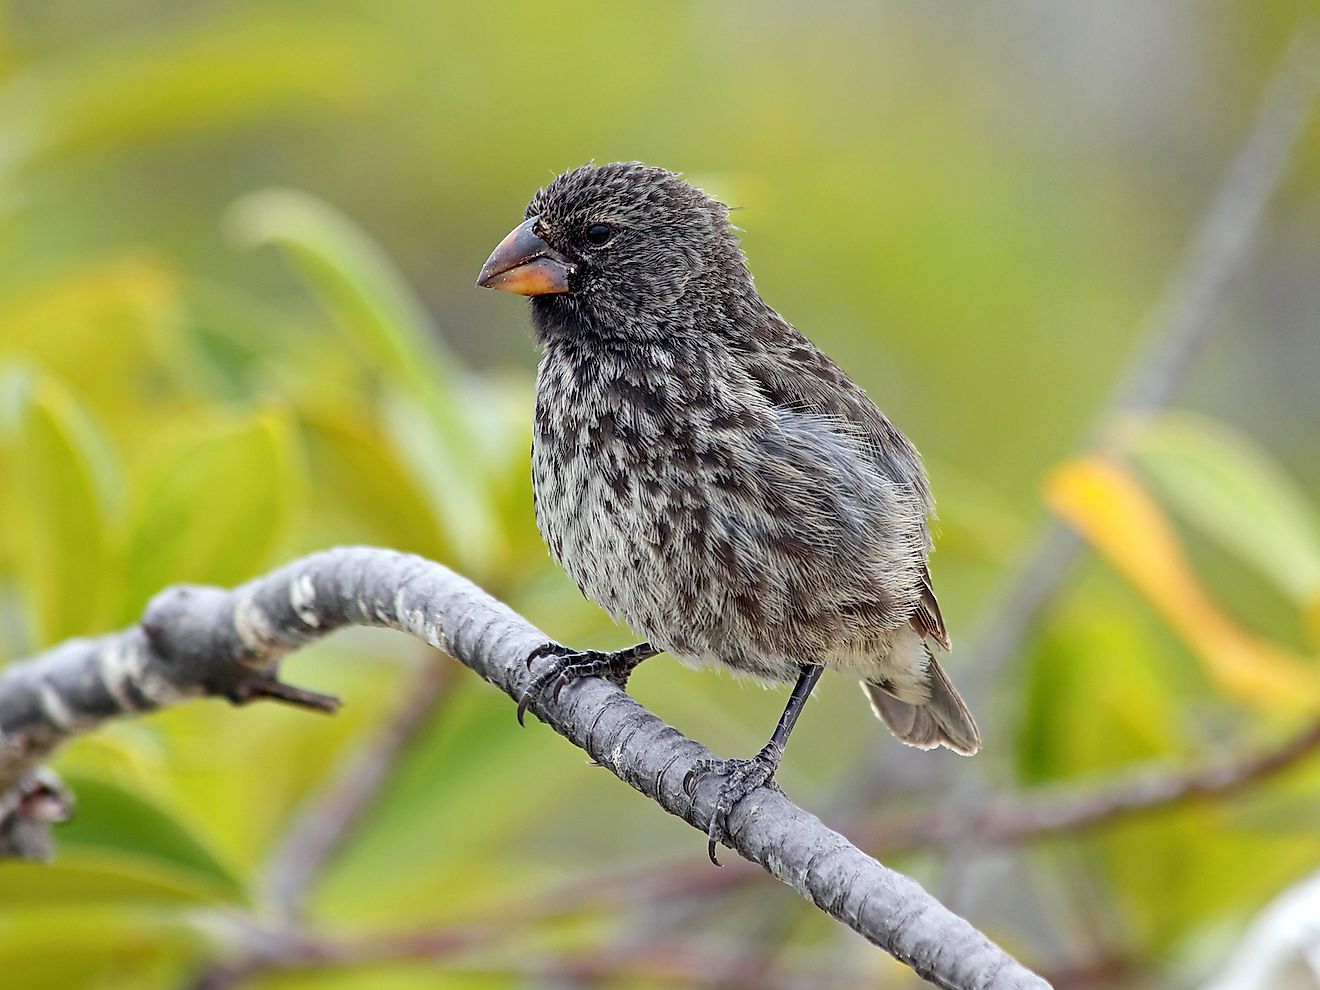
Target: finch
{"x": 709, "y": 476}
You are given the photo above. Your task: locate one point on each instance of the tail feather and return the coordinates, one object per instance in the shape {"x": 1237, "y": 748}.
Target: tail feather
{"x": 943, "y": 720}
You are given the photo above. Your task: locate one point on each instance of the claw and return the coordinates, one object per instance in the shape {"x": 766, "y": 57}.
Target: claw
{"x": 535, "y": 690}
{"x": 570, "y": 665}
{"x": 699, "y": 770}
{"x": 690, "y": 782}
{"x": 741, "y": 778}
{"x": 545, "y": 649}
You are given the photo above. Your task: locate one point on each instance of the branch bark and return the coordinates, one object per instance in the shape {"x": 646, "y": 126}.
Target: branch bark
{"x": 198, "y": 640}
{"x": 1012, "y": 819}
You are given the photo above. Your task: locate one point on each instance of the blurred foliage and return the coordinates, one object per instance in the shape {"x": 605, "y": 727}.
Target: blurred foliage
{"x": 209, "y": 365}
{"x": 1102, "y": 499}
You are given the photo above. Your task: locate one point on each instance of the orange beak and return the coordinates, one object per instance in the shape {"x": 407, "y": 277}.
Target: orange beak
{"x": 524, "y": 264}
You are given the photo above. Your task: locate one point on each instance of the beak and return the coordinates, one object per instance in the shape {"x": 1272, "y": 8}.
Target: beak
{"x": 523, "y": 263}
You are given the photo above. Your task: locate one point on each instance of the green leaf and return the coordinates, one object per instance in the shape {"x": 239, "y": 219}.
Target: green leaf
{"x": 453, "y": 486}
{"x": 1096, "y": 696}
{"x": 1173, "y": 873}
{"x": 356, "y": 282}
{"x": 107, "y": 329}
{"x": 216, "y": 508}
{"x": 60, "y": 488}
{"x": 87, "y": 876}
{"x": 113, "y": 820}
{"x": 1230, "y": 488}
{"x": 360, "y": 287}
{"x": 85, "y": 945}
{"x": 371, "y": 496}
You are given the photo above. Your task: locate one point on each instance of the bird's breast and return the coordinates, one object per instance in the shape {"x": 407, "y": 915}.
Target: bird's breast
{"x": 624, "y": 457}
{"x": 717, "y": 526}
{"x": 607, "y": 439}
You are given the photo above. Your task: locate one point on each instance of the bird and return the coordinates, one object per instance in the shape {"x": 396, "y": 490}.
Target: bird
{"x": 710, "y": 477}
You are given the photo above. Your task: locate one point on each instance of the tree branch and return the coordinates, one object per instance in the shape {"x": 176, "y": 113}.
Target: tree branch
{"x": 1007, "y": 820}
{"x": 197, "y": 640}
{"x": 1143, "y": 792}
{"x": 1070, "y": 809}
{"x": 684, "y": 962}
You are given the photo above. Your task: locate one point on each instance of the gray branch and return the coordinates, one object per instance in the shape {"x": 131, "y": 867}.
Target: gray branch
{"x": 208, "y": 641}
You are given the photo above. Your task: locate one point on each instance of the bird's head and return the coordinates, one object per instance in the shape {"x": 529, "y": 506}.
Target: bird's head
{"x": 622, "y": 250}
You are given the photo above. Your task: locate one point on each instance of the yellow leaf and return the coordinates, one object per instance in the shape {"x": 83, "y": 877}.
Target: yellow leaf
{"x": 1106, "y": 504}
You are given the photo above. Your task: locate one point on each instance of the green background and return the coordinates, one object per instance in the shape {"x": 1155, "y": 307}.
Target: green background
{"x": 238, "y": 323}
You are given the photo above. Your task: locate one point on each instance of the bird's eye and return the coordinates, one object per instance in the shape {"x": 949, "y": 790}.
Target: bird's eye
{"x": 599, "y": 233}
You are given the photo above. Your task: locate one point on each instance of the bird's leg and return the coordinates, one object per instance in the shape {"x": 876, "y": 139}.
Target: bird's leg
{"x": 567, "y": 665}
{"x": 741, "y": 777}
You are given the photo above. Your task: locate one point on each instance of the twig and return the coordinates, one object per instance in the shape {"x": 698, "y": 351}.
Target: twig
{"x": 681, "y": 962}
{"x": 1111, "y": 970}
{"x": 1142, "y": 793}
{"x": 1175, "y": 331}
{"x": 207, "y": 640}
{"x": 1012, "y": 820}
{"x": 27, "y": 810}
{"x": 667, "y": 962}
{"x": 294, "y": 948}
{"x": 327, "y": 820}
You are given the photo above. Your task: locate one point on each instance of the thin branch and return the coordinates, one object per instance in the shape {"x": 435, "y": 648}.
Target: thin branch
{"x": 663, "y": 962}
{"x": 328, "y": 819}
{"x": 678, "y": 961}
{"x": 286, "y": 948}
{"x": 1175, "y": 330}
{"x": 681, "y": 962}
{"x": 27, "y": 811}
{"x": 1009, "y": 820}
{"x": 197, "y": 640}
{"x": 1111, "y": 970}
{"x": 1070, "y": 809}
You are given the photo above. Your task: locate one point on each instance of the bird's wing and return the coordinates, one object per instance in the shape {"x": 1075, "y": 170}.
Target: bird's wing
{"x": 794, "y": 373}
{"x": 927, "y": 620}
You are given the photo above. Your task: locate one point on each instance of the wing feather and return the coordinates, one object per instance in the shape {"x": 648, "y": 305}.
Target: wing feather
{"x": 795, "y": 374}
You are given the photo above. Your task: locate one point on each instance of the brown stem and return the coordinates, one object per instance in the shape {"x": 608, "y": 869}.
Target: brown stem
{"x": 328, "y": 819}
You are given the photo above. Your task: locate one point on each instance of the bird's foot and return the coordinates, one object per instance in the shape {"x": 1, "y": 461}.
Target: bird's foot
{"x": 741, "y": 778}
{"x": 568, "y": 665}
